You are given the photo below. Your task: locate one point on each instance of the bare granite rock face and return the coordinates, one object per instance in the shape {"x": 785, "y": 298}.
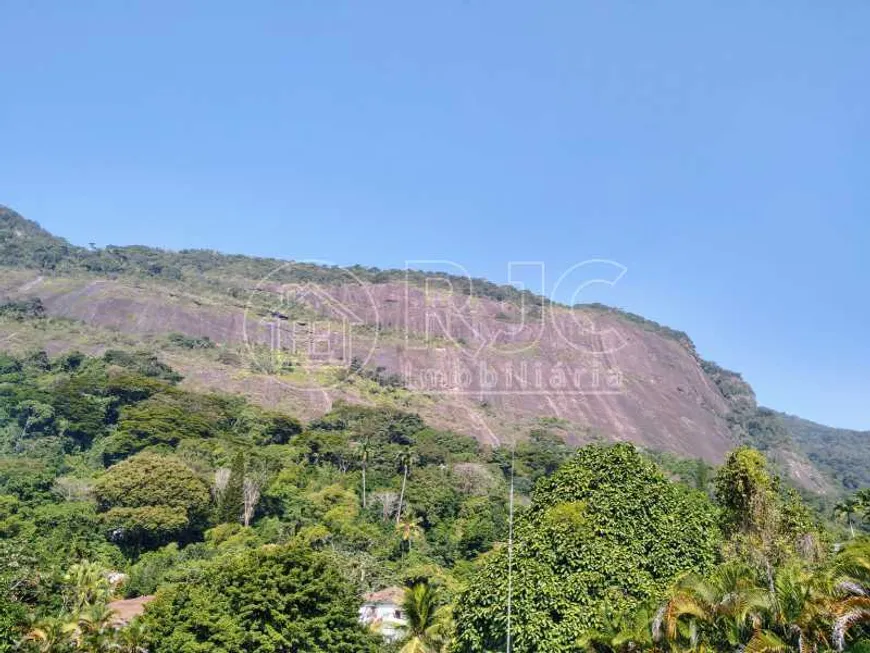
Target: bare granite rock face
{"x": 489, "y": 369}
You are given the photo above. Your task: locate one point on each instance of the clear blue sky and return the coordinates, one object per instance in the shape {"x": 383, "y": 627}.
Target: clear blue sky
{"x": 719, "y": 150}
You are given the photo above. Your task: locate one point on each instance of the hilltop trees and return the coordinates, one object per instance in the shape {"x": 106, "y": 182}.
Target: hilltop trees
{"x": 164, "y": 419}
{"x": 107, "y": 459}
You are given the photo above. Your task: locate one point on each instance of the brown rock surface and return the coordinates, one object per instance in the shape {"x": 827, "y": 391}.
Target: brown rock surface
{"x": 485, "y": 368}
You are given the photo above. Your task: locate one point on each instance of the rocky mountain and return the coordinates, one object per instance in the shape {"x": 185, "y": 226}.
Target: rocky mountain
{"x": 466, "y": 354}
{"x": 842, "y": 454}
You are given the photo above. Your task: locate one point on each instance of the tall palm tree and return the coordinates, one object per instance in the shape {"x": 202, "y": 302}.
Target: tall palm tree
{"x": 88, "y": 585}
{"x": 364, "y": 457}
{"x": 410, "y": 530}
{"x": 406, "y": 459}
{"x": 846, "y": 508}
{"x": 849, "y": 613}
{"x": 428, "y": 620}
{"x": 367, "y": 430}
{"x": 87, "y": 625}
{"x": 621, "y": 633}
{"x": 862, "y": 498}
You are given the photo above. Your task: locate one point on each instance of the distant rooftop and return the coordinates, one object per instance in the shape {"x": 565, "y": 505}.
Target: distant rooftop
{"x": 393, "y": 595}
{"x": 127, "y": 609}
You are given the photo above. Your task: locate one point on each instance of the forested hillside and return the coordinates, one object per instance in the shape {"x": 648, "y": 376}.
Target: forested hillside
{"x": 629, "y": 378}
{"x": 841, "y": 453}
{"x": 258, "y": 532}
{"x": 154, "y": 446}
{"x": 107, "y": 460}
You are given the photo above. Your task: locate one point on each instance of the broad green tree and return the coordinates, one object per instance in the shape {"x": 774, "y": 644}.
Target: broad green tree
{"x": 765, "y": 524}
{"x": 606, "y": 528}
{"x": 272, "y": 599}
{"x": 149, "y": 500}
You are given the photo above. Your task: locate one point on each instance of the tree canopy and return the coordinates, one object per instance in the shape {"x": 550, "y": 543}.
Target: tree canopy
{"x": 270, "y": 599}
{"x": 152, "y": 499}
{"x": 607, "y": 529}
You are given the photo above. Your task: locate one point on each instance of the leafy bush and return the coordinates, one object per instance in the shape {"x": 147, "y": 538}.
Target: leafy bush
{"x": 190, "y": 342}
{"x": 144, "y": 363}
{"x": 21, "y": 309}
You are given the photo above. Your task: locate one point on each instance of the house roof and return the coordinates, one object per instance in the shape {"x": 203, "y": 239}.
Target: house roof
{"x": 127, "y": 609}
{"x": 393, "y": 595}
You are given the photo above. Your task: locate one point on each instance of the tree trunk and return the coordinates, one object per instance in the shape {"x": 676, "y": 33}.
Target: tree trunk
{"x": 770, "y": 582}
{"x": 251, "y": 496}
{"x": 364, "y": 486}
{"x": 402, "y": 494}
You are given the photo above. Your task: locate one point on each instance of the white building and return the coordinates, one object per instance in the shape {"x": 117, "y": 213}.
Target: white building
{"x": 382, "y": 612}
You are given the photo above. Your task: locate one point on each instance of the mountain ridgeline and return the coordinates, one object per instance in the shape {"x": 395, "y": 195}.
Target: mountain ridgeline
{"x": 467, "y": 355}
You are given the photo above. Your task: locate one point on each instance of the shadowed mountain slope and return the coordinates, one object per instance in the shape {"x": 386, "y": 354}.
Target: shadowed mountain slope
{"x": 843, "y": 454}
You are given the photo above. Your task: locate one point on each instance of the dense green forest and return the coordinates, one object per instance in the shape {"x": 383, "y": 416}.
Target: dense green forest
{"x": 257, "y": 532}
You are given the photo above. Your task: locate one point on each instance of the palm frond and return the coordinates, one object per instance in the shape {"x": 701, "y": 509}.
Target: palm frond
{"x": 764, "y": 641}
